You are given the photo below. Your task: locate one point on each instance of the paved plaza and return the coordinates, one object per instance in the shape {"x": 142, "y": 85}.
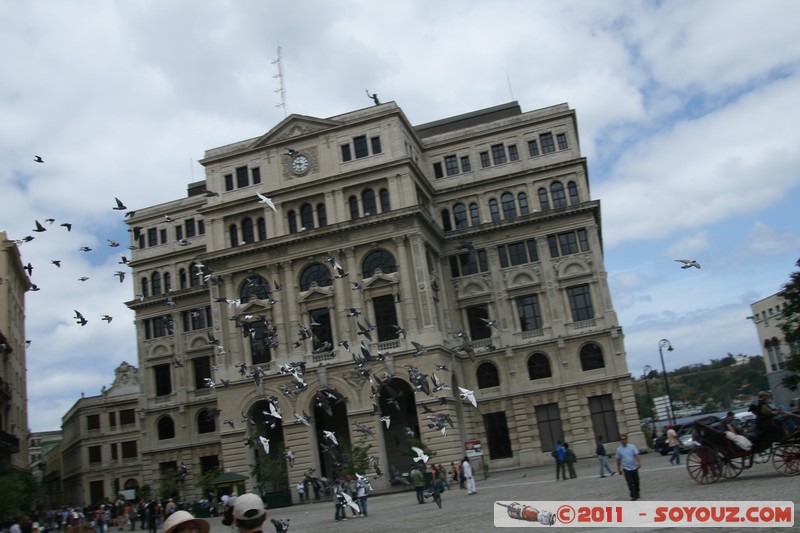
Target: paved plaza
{"x": 400, "y": 512}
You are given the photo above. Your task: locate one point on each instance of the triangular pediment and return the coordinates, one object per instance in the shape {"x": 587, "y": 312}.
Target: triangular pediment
{"x": 379, "y": 279}
{"x": 316, "y": 293}
{"x": 294, "y": 127}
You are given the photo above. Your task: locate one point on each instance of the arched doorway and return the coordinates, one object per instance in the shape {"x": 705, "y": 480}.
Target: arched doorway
{"x": 330, "y": 415}
{"x": 398, "y": 403}
{"x": 269, "y": 468}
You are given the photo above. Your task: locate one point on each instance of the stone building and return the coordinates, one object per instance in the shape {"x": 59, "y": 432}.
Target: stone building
{"x": 468, "y": 248}
{"x": 100, "y": 446}
{"x": 14, "y": 283}
{"x": 767, "y": 318}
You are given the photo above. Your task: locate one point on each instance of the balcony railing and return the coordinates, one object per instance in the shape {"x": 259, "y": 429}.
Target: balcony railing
{"x": 9, "y": 442}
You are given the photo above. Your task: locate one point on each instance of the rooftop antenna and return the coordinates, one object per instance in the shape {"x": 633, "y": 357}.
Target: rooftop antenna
{"x": 282, "y": 88}
{"x": 510, "y": 91}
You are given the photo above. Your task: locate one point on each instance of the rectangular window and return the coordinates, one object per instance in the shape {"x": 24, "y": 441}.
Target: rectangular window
{"x": 201, "y": 227}
{"x": 241, "y": 177}
{"x": 498, "y": 154}
{"x": 324, "y": 331}
{"x": 178, "y": 233}
{"x": 496, "y": 428}
{"x": 583, "y": 241}
{"x": 209, "y": 463}
{"x": 346, "y": 153}
{"x": 562, "y": 141}
{"x": 163, "y": 380}
{"x": 168, "y": 469}
{"x": 159, "y": 327}
{"x": 190, "y": 229}
{"x": 513, "y": 153}
{"x": 360, "y": 146}
{"x": 533, "y": 254}
{"x": 517, "y": 253}
{"x": 112, "y": 419}
{"x": 437, "y": 171}
{"x": 129, "y": 449}
{"x": 376, "y": 145}
{"x": 385, "y": 317}
{"x": 163, "y": 234}
{"x": 451, "y": 165}
{"x": 568, "y": 243}
{"x": 477, "y": 327}
{"x": 259, "y": 343}
{"x": 255, "y": 173}
{"x": 580, "y": 303}
{"x": 604, "y": 418}
{"x": 152, "y": 237}
{"x": 533, "y": 148}
{"x": 93, "y": 422}
{"x": 547, "y": 143}
{"x": 485, "y": 160}
{"x": 96, "y": 491}
{"x": 228, "y": 182}
{"x": 548, "y": 421}
{"x": 114, "y": 451}
{"x": 465, "y": 165}
{"x": 530, "y": 316}
{"x": 202, "y": 370}
{"x": 502, "y": 254}
{"x": 95, "y": 454}
{"x": 127, "y": 417}
{"x": 553, "y": 243}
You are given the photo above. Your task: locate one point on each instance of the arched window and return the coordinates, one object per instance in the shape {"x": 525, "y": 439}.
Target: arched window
{"x": 446, "y": 225}
{"x": 460, "y": 216}
{"x": 254, "y": 287}
{"x": 167, "y": 282}
{"x": 384, "y": 198}
{"x": 166, "y": 428}
{"x": 206, "y": 423}
{"x": 322, "y": 216}
{"x": 307, "y": 216}
{"x": 509, "y": 207}
{"x": 572, "y": 189}
{"x": 487, "y": 376}
{"x": 522, "y": 198}
{"x": 368, "y": 202}
{"x": 291, "y": 217}
{"x": 317, "y": 273}
{"x": 353, "y": 201}
{"x": 544, "y": 203}
{"x": 474, "y": 214}
{"x": 155, "y": 282}
{"x": 261, "y": 227}
{"x": 539, "y": 366}
{"x": 233, "y": 232}
{"x": 247, "y": 230}
{"x": 145, "y": 289}
{"x": 557, "y": 192}
{"x": 378, "y": 259}
{"x": 183, "y": 281}
{"x": 195, "y": 275}
{"x": 591, "y": 357}
{"x": 494, "y": 210}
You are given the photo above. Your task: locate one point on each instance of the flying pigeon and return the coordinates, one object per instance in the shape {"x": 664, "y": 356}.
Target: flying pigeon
{"x": 364, "y": 430}
{"x": 38, "y": 159}
{"x": 80, "y": 319}
{"x": 688, "y": 263}
{"x": 419, "y": 349}
{"x": 340, "y": 272}
{"x": 67, "y": 225}
{"x": 229, "y": 422}
{"x": 386, "y": 420}
{"x": 39, "y": 227}
{"x": 264, "y": 200}
{"x": 468, "y": 395}
{"x": 120, "y": 206}
{"x": 303, "y": 419}
{"x": 107, "y": 318}
{"x": 330, "y": 436}
{"x": 56, "y": 262}
{"x": 169, "y": 218}
{"x": 264, "y": 444}
{"x": 289, "y": 456}
{"x": 120, "y": 274}
{"x": 85, "y": 249}
{"x": 83, "y": 278}
{"x": 491, "y": 323}
{"x": 420, "y": 455}
{"x": 28, "y": 268}
{"x": 281, "y": 524}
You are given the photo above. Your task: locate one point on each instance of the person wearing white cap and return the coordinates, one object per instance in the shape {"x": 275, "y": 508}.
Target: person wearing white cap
{"x": 249, "y": 514}
{"x": 185, "y": 522}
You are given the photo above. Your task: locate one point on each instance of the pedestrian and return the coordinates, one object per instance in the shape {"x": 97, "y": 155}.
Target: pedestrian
{"x": 559, "y": 453}
{"x": 185, "y": 522}
{"x": 363, "y": 488}
{"x": 570, "y": 460}
{"x": 600, "y": 451}
{"x": 152, "y": 516}
{"x": 249, "y": 514}
{"x": 441, "y": 478}
{"x": 301, "y": 492}
{"x": 674, "y": 444}
{"x": 629, "y": 463}
{"x": 338, "y": 500}
{"x": 418, "y": 481}
{"x": 466, "y": 471}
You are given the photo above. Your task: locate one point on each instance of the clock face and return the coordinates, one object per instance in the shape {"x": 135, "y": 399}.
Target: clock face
{"x": 300, "y": 164}
{"x": 124, "y": 378}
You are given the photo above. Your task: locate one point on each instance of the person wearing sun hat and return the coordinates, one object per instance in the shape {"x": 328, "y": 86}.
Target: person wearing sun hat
{"x": 185, "y": 522}
{"x": 249, "y": 513}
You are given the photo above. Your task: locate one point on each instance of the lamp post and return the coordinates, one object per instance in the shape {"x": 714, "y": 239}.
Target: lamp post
{"x": 646, "y": 371}
{"x": 664, "y": 343}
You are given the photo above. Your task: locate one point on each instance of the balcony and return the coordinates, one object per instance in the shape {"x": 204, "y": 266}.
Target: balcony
{"x": 9, "y": 443}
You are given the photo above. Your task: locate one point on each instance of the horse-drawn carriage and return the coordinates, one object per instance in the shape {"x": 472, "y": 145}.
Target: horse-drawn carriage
{"x": 718, "y": 456}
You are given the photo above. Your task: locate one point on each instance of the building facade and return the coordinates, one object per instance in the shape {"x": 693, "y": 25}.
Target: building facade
{"x": 14, "y": 283}
{"x": 326, "y": 271}
{"x": 766, "y": 316}
{"x": 40, "y": 445}
{"x": 100, "y": 449}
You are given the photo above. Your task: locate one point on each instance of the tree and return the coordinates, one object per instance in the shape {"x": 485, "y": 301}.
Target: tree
{"x": 17, "y": 494}
{"x": 790, "y": 326}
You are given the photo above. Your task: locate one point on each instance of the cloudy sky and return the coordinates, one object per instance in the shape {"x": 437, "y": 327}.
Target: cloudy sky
{"x": 689, "y": 115}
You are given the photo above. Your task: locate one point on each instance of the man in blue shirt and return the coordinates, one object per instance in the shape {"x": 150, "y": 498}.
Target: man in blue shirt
{"x": 560, "y": 455}
{"x": 629, "y": 463}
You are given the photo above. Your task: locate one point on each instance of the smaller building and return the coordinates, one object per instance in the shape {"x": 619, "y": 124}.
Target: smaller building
{"x": 40, "y": 445}
{"x": 767, "y": 317}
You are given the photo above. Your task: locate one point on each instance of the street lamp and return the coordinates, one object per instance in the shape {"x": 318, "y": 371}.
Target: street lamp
{"x": 664, "y": 343}
{"x": 646, "y": 370}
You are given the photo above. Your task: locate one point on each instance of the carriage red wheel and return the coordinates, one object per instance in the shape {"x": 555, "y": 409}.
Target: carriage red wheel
{"x": 786, "y": 458}
{"x": 731, "y": 466}
{"x": 704, "y": 465}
